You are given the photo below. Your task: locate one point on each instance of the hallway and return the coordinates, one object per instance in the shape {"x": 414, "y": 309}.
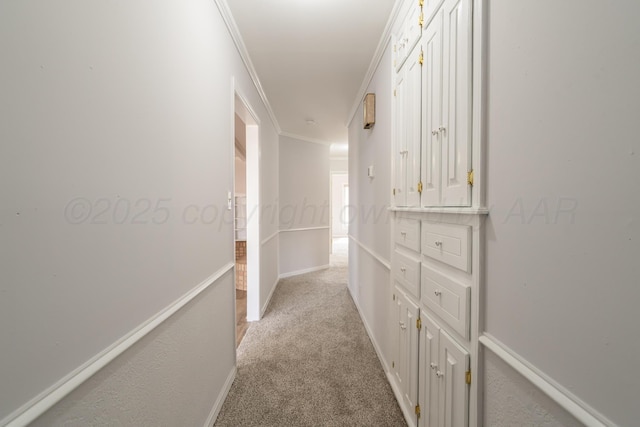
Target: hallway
{"x": 309, "y": 361}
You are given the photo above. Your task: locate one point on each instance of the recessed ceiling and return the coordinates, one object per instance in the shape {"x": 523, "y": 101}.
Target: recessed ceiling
{"x": 311, "y": 57}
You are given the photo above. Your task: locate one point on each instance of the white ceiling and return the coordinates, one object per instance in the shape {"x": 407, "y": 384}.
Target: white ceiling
{"x": 311, "y": 57}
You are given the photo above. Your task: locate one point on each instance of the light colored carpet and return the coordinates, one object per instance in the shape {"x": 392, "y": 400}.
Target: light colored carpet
{"x": 309, "y": 362}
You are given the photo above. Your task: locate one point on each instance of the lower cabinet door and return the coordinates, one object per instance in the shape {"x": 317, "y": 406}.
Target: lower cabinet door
{"x": 406, "y": 363}
{"x": 453, "y": 404}
{"x": 443, "y": 389}
{"x": 428, "y": 380}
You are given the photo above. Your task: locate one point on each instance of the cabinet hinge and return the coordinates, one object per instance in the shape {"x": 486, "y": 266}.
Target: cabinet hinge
{"x": 470, "y": 177}
{"x": 421, "y": 58}
{"x": 419, "y": 323}
{"x": 420, "y": 187}
{"x": 393, "y": 364}
{"x": 393, "y": 297}
{"x": 421, "y": 20}
{"x": 418, "y": 410}
{"x": 468, "y": 377}
{"x": 394, "y": 191}
{"x": 394, "y": 92}
{"x": 421, "y": 3}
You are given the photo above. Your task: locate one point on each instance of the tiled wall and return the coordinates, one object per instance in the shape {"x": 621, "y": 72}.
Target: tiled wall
{"x": 241, "y": 265}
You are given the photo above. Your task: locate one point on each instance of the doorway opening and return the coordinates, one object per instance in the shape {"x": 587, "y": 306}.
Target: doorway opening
{"x": 246, "y": 218}
{"x": 340, "y": 217}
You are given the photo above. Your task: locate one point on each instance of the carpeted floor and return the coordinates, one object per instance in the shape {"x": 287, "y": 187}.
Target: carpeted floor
{"x": 309, "y": 362}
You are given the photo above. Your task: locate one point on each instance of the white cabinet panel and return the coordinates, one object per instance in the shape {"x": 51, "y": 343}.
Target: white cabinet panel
{"x": 409, "y": 33}
{"x": 446, "y": 106}
{"x": 428, "y": 380}
{"x": 456, "y": 134}
{"x": 432, "y": 112}
{"x": 407, "y": 233}
{"x": 453, "y": 408}
{"x": 406, "y": 271}
{"x": 447, "y": 298}
{"x": 429, "y": 8}
{"x": 399, "y": 179}
{"x": 407, "y": 132}
{"x": 412, "y": 115}
{"x": 448, "y": 243}
{"x": 444, "y": 392}
{"x": 405, "y": 366}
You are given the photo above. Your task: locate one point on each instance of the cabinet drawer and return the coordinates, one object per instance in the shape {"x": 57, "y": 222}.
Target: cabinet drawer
{"x": 407, "y": 233}
{"x": 406, "y": 271}
{"x": 447, "y": 298}
{"x": 448, "y": 243}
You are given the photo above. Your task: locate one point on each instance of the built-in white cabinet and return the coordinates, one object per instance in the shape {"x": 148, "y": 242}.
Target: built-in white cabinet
{"x": 432, "y": 297}
{"x": 437, "y": 227}
{"x": 434, "y": 103}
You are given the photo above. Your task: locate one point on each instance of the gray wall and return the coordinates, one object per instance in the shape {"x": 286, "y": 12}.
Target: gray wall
{"x": 369, "y": 226}
{"x": 304, "y": 203}
{"x": 563, "y": 236}
{"x": 116, "y": 136}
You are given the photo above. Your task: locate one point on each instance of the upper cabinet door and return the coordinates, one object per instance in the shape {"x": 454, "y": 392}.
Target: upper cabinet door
{"x": 431, "y": 112}
{"x": 413, "y": 77}
{"x": 456, "y": 110}
{"x": 399, "y": 154}
{"x": 429, "y": 8}
{"x": 413, "y": 24}
{"x": 409, "y": 32}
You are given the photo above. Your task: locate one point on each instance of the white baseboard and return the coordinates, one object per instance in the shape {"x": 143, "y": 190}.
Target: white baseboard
{"x": 48, "y": 398}
{"x": 307, "y": 270}
{"x": 222, "y": 396}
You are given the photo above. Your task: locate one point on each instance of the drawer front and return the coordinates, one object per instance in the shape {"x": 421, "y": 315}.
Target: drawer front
{"x": 406, "y": 271}
{"x": 447, "y": 298}
{"x": 448, "y": 243}
{"x": 407, "y": 233}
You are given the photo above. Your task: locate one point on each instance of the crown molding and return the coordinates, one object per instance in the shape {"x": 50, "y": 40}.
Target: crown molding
{"x": 225, "y": 12}
{"x": 375, "y": 61}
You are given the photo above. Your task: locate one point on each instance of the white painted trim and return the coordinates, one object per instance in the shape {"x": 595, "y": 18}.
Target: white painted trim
{"x": 266, "y": 303}
{"x": 311, "y": 140}
{"x": 225, "y": 12}
{"x": 265, "y": 241}
{"x": 222, "y": 396}
{"x": 45, "y": 400}
{"x": 381, "y": 260}
{"x": 375, "y": 61}
{"x": 287, "y": 230}
{"x": 563, "y": 397}
{"x": 452, "y": 211}
{"x": 478, "y": 98}
{"x": 306, "y": 270}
